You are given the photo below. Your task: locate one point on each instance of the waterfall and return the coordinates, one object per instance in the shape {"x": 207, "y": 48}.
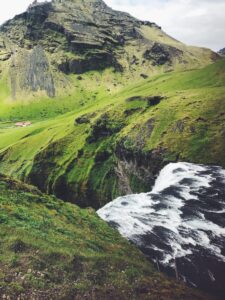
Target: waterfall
{"x": 180, "y": 224}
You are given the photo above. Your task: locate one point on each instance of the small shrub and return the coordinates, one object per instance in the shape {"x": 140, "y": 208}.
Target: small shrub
{"x": 4, "y": 219}
{"x": 18, "y": 246}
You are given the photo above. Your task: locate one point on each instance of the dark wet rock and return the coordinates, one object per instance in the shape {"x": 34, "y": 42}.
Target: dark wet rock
{"x": 114, "y": 224}
{"x": 102, "y": 156}
{"x": 144, "y": 76}
{"x": 151, "y": 100}
{"x": 142, "y": 167}
{"x": 96, "y": 61}
{"x": 43, "y": 165}
{"x": 158, "y": 54}
{"x": 154, "y": 100}
{"x": 104, "y": 127}
{"x": 135, "y": 98}
{"x": 82, "y": 120}
{"x": 161, "y": 54}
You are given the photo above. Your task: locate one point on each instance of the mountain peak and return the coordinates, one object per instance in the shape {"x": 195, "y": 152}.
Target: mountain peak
{"x": 74, "y": 37}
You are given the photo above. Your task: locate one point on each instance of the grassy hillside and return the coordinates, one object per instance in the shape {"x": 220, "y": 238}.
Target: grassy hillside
{"x": 111, "y": 100}
{"x": 174, "y": 116}
{"x": 53, "y": 250}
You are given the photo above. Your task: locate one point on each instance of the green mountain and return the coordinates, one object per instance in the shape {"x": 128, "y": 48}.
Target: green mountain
{"x": 51, "y": 40}
{"x": 109, "y": 130}
{"x": 111, "y": 100}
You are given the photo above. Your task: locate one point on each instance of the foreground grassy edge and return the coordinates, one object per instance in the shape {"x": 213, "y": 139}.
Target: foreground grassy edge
{"x": 55, "y": 250}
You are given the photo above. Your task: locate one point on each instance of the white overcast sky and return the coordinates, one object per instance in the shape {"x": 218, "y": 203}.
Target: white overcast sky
{"x": 195, "y": 22}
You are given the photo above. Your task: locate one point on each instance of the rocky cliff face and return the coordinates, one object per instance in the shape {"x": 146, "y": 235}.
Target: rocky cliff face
{"x": 222, "y": 52}
{"x": 73, "y": 37}
{"x": 35, "y": 70}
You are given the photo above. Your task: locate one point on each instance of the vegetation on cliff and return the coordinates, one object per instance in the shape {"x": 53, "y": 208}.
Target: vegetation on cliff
{"x": 116, "y": 144}
{"x": 54, "y": 250}
{"x": 108, "y": 101}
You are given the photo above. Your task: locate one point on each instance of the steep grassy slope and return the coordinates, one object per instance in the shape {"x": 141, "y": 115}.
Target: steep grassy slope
{"x": 53, "y": 250}
{"x": 119, "y": 141}
{"x": 111, "y": 99}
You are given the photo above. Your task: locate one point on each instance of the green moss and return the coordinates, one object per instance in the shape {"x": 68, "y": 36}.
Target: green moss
{"x": 77, "y": 161}
{"x": 138, "y": 185}
{"x": 48, "y": 245}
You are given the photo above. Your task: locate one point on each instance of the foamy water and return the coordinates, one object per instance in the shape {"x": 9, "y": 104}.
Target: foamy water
{"x": 181, "y": 222}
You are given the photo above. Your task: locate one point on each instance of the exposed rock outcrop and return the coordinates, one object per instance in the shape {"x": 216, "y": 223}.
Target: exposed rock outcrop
{"x": 161, "y": 54}
{"x": 81, "y": 36}
{"x": 104, "y": 127}
{"x": 38, "y": 75}
{"x": 99, "y": 61}
{"x": 31, "y": 71}
{"x": 222, "y": 52}
{"x": 140, "y": 168}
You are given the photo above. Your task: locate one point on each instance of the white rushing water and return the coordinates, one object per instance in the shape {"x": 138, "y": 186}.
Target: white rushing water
{"x": 182, "y": 218}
